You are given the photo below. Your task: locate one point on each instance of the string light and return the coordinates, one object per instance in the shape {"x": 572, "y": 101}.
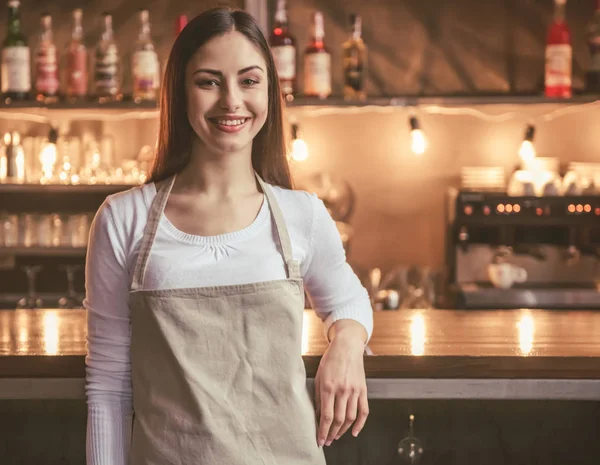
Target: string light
{"x": 418, "y": 141}
{"x": 527, "y": 151}
{"x": 299, "y": 150}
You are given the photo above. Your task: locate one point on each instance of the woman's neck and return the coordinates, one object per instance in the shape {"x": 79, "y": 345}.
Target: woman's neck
{"x": 222, "y": 175}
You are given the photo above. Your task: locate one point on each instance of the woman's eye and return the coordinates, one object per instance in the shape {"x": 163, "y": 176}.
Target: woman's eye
{"x": 249, "y": 82}
{"x": 208, "y": 83}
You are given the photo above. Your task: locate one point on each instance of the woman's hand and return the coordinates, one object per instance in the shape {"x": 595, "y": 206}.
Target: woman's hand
{"x": 340, "y": 384}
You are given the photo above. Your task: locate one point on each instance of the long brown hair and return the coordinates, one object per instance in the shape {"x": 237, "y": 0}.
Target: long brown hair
{"x": 175, "y": 135}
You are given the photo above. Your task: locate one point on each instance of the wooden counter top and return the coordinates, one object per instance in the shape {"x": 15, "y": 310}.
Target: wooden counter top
{"x": 514, "y": 344}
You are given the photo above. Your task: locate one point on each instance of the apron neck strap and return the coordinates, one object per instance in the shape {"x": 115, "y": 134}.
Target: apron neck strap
{"x": 158, "y": 207}
{"x": 156, "y": 210}
{"x": 293, "y": 268}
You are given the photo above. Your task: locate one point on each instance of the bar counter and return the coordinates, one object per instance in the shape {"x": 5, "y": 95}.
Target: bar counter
{"x": 495, "y": 354}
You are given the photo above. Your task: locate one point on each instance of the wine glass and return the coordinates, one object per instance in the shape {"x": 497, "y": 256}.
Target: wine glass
{"x": 410, "y": 449}
{"x": 72, "y": 299}
{"x": 32, "y": 300}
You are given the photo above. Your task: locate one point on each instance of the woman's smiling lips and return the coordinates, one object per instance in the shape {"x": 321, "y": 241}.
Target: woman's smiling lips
{"x": 230, "y": 124}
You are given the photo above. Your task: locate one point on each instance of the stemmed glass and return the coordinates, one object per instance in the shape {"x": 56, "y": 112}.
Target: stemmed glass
{"x": 72, "y": 299}
{"x": 32, "y": 300}
{"x": 410, "y": 449}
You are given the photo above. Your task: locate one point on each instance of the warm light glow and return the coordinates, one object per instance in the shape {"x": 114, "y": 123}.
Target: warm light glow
{"x": 299, "y": 150}
{"x": 571, "y": 208}
{"x": 527, "y": 152}
{"x": 50, "y": 325}
{"x": 418, "y": 141}
{"x": 417, "y": 334}
{"x": 587, "y": 208}
{"x": 526, "y": 327}
{"x": 48, "y": 159}
{"x": 20, "y": 162}
{"x": 22, "y": 330}
{"x": 517, "y": 208}
{"x": 3, "y": 169}
{"x": 305, "y": 318}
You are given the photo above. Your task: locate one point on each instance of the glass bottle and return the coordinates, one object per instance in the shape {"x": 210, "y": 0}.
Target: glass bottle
{"x": 106, "y": 73}
{"x": 355, "y": 62}
{"x": 145, "y": 67}
{"x": 317, "y": 61}
{"x": 46, "y": 63}
{"x": 592, "y": 76}
{"x": 77, "y": 61}
{"x": 283, "y": 47}
{"x": 16, "y": 61}
{"x": 559, "y": 55}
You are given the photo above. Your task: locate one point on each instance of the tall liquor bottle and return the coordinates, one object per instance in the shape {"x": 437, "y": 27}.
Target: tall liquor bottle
{"x": 355, "y": 62}
{"x": 106, "y": 74}
{"x": 46, "y": 62}
{"x": 283, "y": 47}
{"x": 317, "y": 61}
{"x": 16, "y": 60}
{"x": 559, "y": 55}
{"x": 145, "y": 66}
{"x": 77, "y": 62}
{"x": 592, "y": 76}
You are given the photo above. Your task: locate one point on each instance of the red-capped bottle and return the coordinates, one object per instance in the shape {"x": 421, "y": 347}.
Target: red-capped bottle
{"x": 317, "y": 61}
{"x": 559, "y": 55}
{"x": 283, "y": 47}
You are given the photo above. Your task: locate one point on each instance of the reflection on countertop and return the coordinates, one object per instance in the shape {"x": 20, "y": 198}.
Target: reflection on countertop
{"x": 408, "y": 343}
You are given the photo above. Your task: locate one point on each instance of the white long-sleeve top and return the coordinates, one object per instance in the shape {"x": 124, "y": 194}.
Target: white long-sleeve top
{"x": 180, "y": 260}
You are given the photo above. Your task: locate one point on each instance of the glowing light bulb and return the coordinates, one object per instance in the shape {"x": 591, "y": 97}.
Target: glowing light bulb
{"x": 418, "y": 141}
{"x": 527, "y": 151}
{"x": 299, "y": 150}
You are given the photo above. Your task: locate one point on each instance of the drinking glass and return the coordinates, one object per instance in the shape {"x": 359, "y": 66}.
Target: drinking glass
{"x": 72, "y": 299}
{"x": 32, "y": 300}
{"x": 410, "y": 449}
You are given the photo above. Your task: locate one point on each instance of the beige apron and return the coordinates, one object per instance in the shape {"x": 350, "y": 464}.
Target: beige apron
{"x": 217, "y": 372}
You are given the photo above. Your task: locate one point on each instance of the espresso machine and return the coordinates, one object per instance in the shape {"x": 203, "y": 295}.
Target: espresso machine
{"x": 522, "y": 251}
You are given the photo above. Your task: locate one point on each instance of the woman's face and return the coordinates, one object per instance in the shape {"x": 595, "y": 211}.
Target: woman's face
{"x": 227, "y": 93}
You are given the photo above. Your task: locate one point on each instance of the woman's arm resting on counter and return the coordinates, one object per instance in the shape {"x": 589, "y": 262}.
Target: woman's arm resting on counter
{"x": 341, "y": 301}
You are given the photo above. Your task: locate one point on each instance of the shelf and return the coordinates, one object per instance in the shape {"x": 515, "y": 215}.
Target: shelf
{"x": 335, "y": 101}
{"x": 444, "y": 100}
{"x": 78, "y": 105}
{"x": 43, "y": 251}
{"x": 106, "y": 189}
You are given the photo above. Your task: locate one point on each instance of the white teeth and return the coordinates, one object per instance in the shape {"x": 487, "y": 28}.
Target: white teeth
{"x": 231, "y": 122}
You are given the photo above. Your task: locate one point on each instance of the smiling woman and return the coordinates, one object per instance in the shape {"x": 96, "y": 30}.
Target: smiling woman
{"x": 195, "y": 281}
{"x": 207, "y": 81}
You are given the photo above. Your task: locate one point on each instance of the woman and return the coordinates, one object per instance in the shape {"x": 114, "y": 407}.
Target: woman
{"x": 195, "y": 281}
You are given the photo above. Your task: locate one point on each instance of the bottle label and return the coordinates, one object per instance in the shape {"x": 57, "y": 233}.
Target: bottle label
{"x": 285, "y": 61}
{"x": 107, "y": 69}
{"x": 15, "y": 69}
{"x": 77, "y": 73}
{"x": 317, "y": 74}
{"x": 145, "y": 70}
{"x": 559, "y": 64}
{"x": 354, "y": 70}
{"x": 46, "y": 70}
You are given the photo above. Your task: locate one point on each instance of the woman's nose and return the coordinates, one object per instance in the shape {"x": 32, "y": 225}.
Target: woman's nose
{"x": 231, "y": 97}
